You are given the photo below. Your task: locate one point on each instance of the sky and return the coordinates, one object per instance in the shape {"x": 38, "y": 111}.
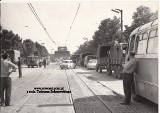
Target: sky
{"x": 57, "y": 17}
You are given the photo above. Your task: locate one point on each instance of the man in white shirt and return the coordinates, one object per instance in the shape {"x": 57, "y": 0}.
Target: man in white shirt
{"x": 7, "y": 68}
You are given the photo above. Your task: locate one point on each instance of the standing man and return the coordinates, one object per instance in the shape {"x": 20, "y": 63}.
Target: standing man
{"x": 44, "y": 63}
{"x": 128, "y": 70}
{"x": 7, "y": 68}
{"x": 19, "y": 67}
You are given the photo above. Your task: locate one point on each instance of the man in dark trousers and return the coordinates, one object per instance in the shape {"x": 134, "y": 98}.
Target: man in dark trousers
{"x": 19, "y": 67}
{"x": 44, "y": 63}
{"x": 7, "y": 68}
{"x": 129, "y": 68}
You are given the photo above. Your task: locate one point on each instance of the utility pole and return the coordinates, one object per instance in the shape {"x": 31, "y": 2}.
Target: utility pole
{"x": 120, "y": 11}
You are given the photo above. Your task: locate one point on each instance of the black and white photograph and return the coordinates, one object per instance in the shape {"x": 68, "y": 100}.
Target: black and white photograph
{"x": 79, "y": 56}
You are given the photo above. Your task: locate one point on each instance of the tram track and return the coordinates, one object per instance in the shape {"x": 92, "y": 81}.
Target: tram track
{"x": 69, "y": 88}
{"x": 93, "y": 92}
{"x": 22, "y": 103}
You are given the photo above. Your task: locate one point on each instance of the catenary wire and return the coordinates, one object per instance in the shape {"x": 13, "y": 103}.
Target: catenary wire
{"x": 40, "y": 22}
{"x": 72, "y": 23}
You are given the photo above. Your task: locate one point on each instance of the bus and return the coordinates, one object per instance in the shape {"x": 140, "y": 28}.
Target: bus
{"x": 144, "y": 42}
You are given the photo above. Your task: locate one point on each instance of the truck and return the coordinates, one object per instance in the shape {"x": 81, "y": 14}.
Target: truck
{"x": 33, "y": 61}
{"x": 75, "y": 58}
{"x": 102, "y": 57}
{"x": 112, "y": 58}
{"x": 81, "y": 59}
{"x": 116, "y": 59}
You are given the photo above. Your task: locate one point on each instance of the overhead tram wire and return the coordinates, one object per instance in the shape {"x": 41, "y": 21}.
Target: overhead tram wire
{"x": 72, "y": 23}
{"x": 40, "y": 22}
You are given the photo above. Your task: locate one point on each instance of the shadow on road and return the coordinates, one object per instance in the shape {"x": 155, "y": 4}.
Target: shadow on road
{"x": 98, "y": 76}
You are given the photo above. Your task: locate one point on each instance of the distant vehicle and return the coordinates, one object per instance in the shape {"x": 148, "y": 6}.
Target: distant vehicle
{"x": 144, "y": 41}
{"x": 62, "y": 53}
{"x": 87, "y": 58}
{"x": 81, "y": 59}
{"x": 74, "y": 58}
{"x": 111, "y": 57}
{"x": 67, "y": 64}
{"x": 102, "y": 56}
{"x": 32, "y": 61}
{"x": 92, "y": 64}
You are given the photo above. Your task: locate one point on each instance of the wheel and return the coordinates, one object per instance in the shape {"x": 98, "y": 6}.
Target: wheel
{"x": 28, "y": 66}
{"x": 134, "y": 94}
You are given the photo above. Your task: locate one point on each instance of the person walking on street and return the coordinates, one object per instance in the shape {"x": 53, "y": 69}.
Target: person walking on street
{"x": 44, "y": 63}
{"x": 129, "y": 68}
{"x": 7, "y": 67}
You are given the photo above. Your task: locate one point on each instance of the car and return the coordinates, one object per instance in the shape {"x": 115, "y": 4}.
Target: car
{"x": 87, "y": 58}
{"x": 92, "y": 64}
{"x": 67, "y": 64}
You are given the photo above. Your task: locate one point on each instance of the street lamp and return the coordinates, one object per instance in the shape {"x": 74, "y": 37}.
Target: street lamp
{"x": 119, "y": 11}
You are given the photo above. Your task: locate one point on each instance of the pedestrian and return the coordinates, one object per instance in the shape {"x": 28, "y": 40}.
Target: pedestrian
{"x": 44, "y": 63}
{"x": 7, "y": 67}
{"x": 19, "y": 67}
{"x": 129, "y": 68}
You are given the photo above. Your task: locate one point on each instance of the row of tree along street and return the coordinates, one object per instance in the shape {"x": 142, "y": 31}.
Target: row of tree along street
{"x": 27, "y": 47}
{"x": 109, "y": 30}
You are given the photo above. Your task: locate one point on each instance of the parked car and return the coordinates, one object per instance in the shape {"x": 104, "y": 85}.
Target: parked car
{"x": 67, "y": 64}
{"x": 92, "y": 64}
{"x": 87, "y": 58}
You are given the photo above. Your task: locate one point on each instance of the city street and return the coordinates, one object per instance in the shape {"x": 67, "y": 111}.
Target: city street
{"x": 78, "y": 91}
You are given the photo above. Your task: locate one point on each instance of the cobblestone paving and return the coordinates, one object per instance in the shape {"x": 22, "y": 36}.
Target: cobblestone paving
{"x": 113, "y": 100}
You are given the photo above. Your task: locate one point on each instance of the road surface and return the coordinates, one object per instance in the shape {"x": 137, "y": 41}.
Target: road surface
{"x": 69, "y": 91}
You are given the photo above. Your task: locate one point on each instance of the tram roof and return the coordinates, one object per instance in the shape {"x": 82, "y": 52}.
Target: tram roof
{"x": 145, "y": 26}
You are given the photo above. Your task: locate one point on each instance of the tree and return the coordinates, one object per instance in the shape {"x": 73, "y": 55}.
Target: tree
{"x": 9, "y": 40}
{"x": 108, "y": 30}
{"x": 28, "y": 47}
{"x": 142, "y": 16}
